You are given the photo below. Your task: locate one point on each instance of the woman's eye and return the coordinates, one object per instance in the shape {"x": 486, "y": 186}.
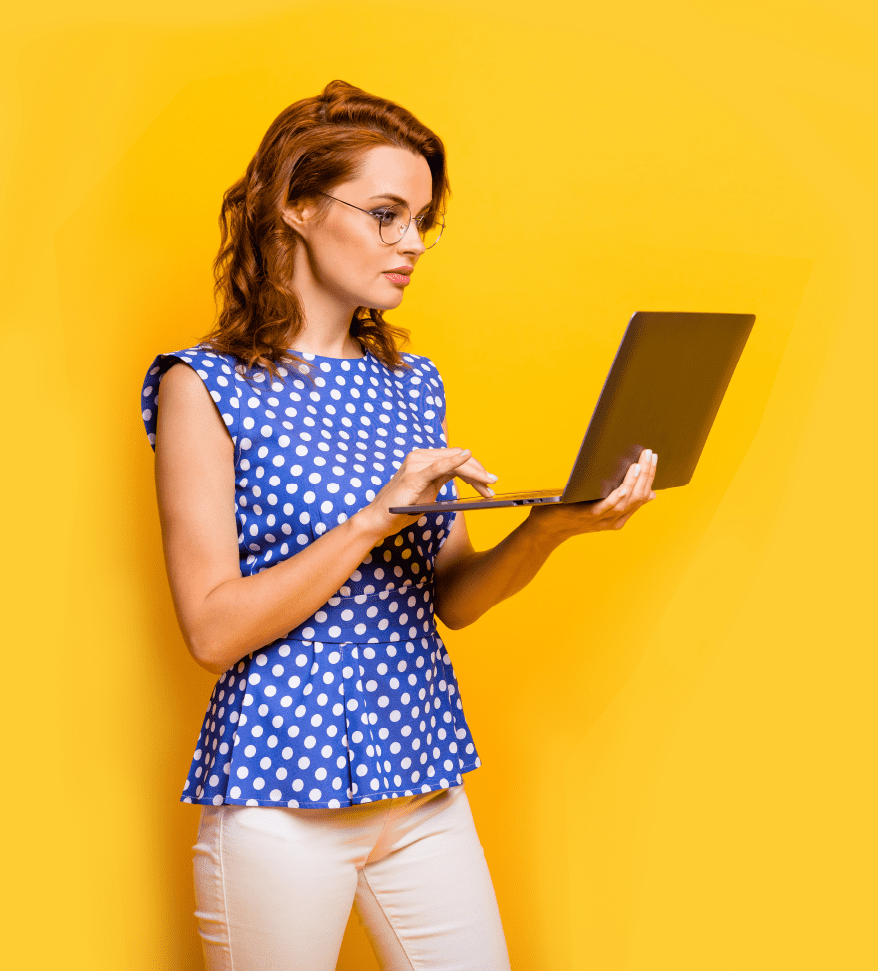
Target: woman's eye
{"x": 384, "y": 216}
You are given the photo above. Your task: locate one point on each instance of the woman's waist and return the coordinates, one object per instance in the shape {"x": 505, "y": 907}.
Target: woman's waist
{"x": 396, "y": 613}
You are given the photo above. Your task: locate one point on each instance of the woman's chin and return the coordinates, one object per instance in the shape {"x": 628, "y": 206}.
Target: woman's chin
{"x": 388, "y": 303}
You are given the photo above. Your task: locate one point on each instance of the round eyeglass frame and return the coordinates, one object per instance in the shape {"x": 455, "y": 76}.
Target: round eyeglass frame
{"x": 375, "y": 214}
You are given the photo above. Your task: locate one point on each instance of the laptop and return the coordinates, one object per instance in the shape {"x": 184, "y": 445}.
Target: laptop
{"x": 662, "y": 392}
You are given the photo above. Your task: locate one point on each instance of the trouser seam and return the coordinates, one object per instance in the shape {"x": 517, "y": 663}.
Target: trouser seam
{"x": 390, "y": 923}
{"x": 380, "y": 836}
{"x": 223, "y": 887}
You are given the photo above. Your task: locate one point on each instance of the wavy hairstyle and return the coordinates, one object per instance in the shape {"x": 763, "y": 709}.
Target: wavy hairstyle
{"x": 312, "y": 146}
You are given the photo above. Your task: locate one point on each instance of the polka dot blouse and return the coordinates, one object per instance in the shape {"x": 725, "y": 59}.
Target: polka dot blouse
{"x": 360, "y": 701}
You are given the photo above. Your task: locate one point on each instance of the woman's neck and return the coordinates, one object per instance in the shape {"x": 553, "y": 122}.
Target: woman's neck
{"x": 312, "y": 340}
{"x": 327, "y": 315}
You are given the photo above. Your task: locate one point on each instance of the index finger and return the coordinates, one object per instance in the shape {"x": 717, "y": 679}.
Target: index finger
{"x": 645, "y": 474}
{"x": 473, "y": 473}
{"x": 447, "y": 463}
{"x": 653, "y": 465}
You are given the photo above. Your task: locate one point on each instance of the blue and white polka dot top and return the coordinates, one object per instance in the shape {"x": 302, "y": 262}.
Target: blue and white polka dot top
{"x": 360, "y": 701}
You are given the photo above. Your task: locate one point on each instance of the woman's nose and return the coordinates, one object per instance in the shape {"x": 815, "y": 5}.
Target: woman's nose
{"x": 410, "y": 241}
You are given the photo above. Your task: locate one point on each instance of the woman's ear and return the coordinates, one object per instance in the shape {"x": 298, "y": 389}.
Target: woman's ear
{"x": 297, "y": 215}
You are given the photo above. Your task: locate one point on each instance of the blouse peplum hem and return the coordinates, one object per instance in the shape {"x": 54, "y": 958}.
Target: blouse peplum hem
{"x": 338, "y": 803}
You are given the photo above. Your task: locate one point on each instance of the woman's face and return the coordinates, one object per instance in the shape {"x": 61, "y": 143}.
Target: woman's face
{"x": 346, "y": 257}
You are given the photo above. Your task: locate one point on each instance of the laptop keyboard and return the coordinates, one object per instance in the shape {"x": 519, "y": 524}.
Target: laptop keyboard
{"x": 538, "y": 494}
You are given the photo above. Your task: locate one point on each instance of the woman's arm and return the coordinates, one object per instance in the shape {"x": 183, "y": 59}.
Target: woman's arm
{"x": 223, "y": 615}
{"x": 468, "y": 583}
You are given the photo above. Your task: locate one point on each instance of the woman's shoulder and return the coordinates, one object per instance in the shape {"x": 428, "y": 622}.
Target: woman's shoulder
{"x": 419, "y": 363}
{"x": 421, "y": 370}
{"x": 201, "y": 357}
{"x": 221, "y": 374}
{"x": 424, "y": 375}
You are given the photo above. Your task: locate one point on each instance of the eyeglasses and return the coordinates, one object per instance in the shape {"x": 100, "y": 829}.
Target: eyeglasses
{"x": 394, "y": 221}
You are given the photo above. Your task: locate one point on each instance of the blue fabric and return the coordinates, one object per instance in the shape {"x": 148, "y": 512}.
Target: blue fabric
{"x": 360, "y": 701}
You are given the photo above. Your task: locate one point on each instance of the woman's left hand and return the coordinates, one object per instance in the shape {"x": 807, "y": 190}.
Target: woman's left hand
{"x": 562, "y": 520}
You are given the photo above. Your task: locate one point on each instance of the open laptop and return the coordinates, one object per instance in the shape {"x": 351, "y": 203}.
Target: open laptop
{"x": 663, "y": 392}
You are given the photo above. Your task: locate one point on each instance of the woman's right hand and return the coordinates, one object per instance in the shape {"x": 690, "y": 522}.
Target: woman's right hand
{"x": 418, "y": 480}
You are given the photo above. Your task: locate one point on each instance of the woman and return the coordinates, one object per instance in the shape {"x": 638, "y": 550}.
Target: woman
{"x": 330, "y": 764}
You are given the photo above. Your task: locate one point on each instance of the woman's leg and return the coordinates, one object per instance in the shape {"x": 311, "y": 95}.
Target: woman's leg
{"x": 274, "y": 886}
{"x": 425, "y": 894}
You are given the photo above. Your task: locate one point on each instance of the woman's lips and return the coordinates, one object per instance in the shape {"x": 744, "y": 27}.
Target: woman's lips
{"x": 401, "y": 276}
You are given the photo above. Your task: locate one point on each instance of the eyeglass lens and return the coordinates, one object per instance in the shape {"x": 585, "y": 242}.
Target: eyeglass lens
{"x": 394, "y": 221}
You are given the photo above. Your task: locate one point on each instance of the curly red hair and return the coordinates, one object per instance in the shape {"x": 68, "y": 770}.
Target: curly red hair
{"x": 312, "y": 146}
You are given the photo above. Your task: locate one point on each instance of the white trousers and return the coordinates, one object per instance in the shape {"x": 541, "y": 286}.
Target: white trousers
{"x": 274, "y": 886}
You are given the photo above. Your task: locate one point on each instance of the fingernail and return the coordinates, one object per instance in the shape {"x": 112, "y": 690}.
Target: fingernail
{"x": 622, "y": 492}
{"x": 647, "y": 455}
{"x": 493, "y": 477}
{"x": 490, "y": 492}
{"x": 654, "y": 457}
{"x": 637, "y": 469}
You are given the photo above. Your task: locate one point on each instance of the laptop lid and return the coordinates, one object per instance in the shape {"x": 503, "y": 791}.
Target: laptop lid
{"x": 662, "y": 392}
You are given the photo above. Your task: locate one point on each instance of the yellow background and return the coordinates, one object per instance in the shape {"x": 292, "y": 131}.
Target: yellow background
{"x": 676, "y": 721}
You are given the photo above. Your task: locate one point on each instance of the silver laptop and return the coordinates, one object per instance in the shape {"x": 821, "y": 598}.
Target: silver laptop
{"x": 663, "y": 392}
